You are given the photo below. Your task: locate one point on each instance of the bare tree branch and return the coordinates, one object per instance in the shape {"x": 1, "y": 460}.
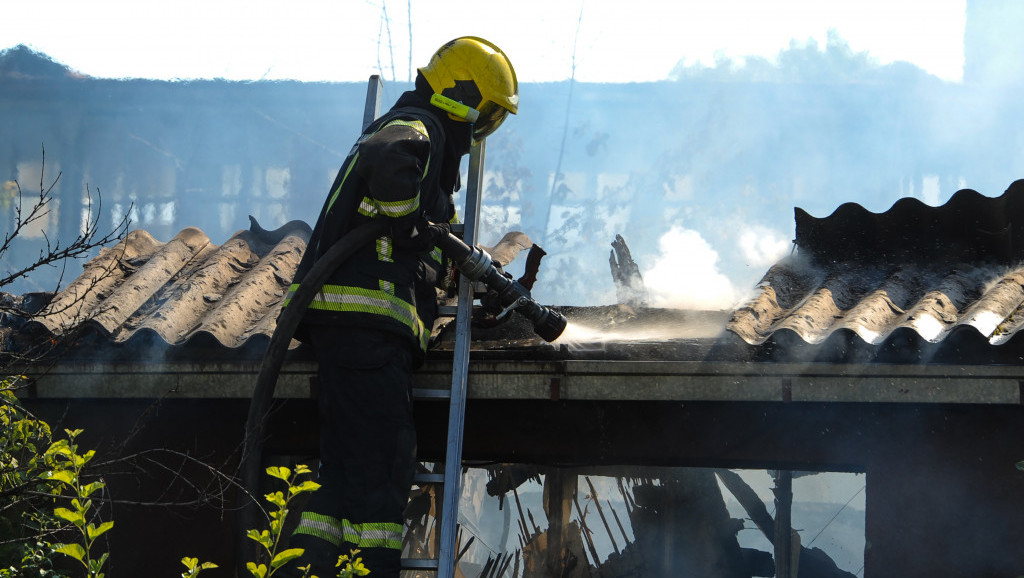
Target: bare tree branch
{"x": 53, "y": 254}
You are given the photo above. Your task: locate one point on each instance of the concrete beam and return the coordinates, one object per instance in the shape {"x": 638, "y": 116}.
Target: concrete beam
{"x": 571, "y": 380}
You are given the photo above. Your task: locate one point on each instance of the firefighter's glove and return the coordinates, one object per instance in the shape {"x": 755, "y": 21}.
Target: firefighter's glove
{"x": 422, "y": 237}
{"x": 491, "y": 301}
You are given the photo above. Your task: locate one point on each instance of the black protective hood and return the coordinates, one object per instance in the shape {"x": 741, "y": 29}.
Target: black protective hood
{"x": 457, "y": 137}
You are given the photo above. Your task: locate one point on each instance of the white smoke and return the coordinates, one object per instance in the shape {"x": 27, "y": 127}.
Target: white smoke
{"x": 762, "y": 246}
{"x": 685, "y": 274}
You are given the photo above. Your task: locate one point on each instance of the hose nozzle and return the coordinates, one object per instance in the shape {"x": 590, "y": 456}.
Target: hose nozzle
{"x": 548, "y": 324}
{"x": 476, "y": 265}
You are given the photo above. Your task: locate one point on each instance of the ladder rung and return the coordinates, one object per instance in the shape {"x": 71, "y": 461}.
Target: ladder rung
{"x": 423, "y": 393}
{"x": 447, "y": 311}
{"x": 419, "y": 564}
{"x": 458, "y": 228}
{"x": 428, "y": 478}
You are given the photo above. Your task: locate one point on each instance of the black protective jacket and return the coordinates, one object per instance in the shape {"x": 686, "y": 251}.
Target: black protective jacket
{"x": 403, "y": 167}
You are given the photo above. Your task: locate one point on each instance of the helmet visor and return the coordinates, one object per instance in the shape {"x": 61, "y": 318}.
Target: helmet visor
{"x": 491, "y": 117}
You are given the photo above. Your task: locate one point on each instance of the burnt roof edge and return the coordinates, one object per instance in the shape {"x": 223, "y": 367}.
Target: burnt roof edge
{"x": 970, "y": 227}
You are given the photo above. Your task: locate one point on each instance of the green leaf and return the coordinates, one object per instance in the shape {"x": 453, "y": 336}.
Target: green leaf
{"x": 65, "y": 476}
{"x": 306, "y": 486}
{"x": 76, "y": 551}
{"x": 80, "y": 460}
{"x": 88, "y": 489}
{"x": 94, "y": 532}
{"x": 194, "y": 567}
{"x": 302, "y": 469}
{"x": 262, "y": 537}
{"x": 76, "y": 518}
{"x": 257, "y": 571}
{"x": 285, "y": 557}
{"x": 58, "y": 448}
{"x": 96, "y": 565}
{"x": 276, "y": 498}
{"x": 281, "y": 473}
{"x": 80, "y": 506}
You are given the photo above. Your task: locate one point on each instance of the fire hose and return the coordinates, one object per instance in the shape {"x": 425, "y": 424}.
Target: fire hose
{"x": 474, "y": 263}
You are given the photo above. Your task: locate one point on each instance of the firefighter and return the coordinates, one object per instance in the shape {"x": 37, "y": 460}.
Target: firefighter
{"x": 370, "y": 323}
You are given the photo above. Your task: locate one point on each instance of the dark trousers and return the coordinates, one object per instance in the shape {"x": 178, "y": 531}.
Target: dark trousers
{"x": 367, "y": 451}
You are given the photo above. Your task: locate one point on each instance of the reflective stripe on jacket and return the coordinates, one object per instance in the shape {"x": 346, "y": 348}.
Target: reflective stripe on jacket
{"x": 335, "y": 531}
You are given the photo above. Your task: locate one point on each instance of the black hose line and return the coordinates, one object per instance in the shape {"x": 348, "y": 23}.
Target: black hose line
{"x": 266, "y": 381}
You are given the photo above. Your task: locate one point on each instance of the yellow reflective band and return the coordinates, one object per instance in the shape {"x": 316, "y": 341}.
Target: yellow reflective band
{"x": 416, "y": 125}
{"x": 372, "y": 207}
{"x": 342, "y": 298}
{"x": 368, "y": 207}
{"x": 335, "y": 531}
{"x": 384, "y": 249}
{"x": 383, "y": 302}
{"x": 337, "y": 191}
{"x": 399, "y": 208}
{"x": 382, "y": 535}
{"x": 327, "y": 528}
{"x": 291, "y": 293}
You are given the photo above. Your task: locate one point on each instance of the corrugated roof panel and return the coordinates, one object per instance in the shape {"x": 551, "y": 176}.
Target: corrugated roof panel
{"x": 86, "y": 295}
{"x": 149, "y": 296}
{"x": 833, "y": 285}
{"x": 183, "y": 290}
{"x": 140, "y": 287}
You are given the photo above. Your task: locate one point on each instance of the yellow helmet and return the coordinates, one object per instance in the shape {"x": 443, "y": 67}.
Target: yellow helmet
{"x": 475, "y": 81}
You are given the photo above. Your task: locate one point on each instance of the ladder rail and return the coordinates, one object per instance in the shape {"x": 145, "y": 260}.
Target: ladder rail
{"x": 374, "y": 90}
{"x": 460, "y": 377}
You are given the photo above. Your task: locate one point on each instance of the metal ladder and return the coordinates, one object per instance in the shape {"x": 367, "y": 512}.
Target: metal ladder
{"x": 451, "y": 479}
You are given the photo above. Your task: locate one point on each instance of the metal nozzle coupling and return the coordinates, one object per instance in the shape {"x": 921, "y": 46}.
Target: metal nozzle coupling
{"x": 476, "y": 265}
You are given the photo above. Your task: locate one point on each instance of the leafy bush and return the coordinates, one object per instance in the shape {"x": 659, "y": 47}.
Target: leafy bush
{"x": 42, "y": 493}
{"x": 274, "y": 559}
{"x": 270, "y": 539}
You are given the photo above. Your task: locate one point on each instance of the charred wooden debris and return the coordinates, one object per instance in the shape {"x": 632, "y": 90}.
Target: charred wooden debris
{"x": 675, "y": 524}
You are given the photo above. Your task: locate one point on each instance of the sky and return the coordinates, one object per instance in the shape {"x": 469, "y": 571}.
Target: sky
{"x": 587, "y": 40}
{"x": 348, "y": 40}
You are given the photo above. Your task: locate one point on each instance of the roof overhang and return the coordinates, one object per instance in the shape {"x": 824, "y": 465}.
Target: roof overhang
{"x": 568, "y": 380}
